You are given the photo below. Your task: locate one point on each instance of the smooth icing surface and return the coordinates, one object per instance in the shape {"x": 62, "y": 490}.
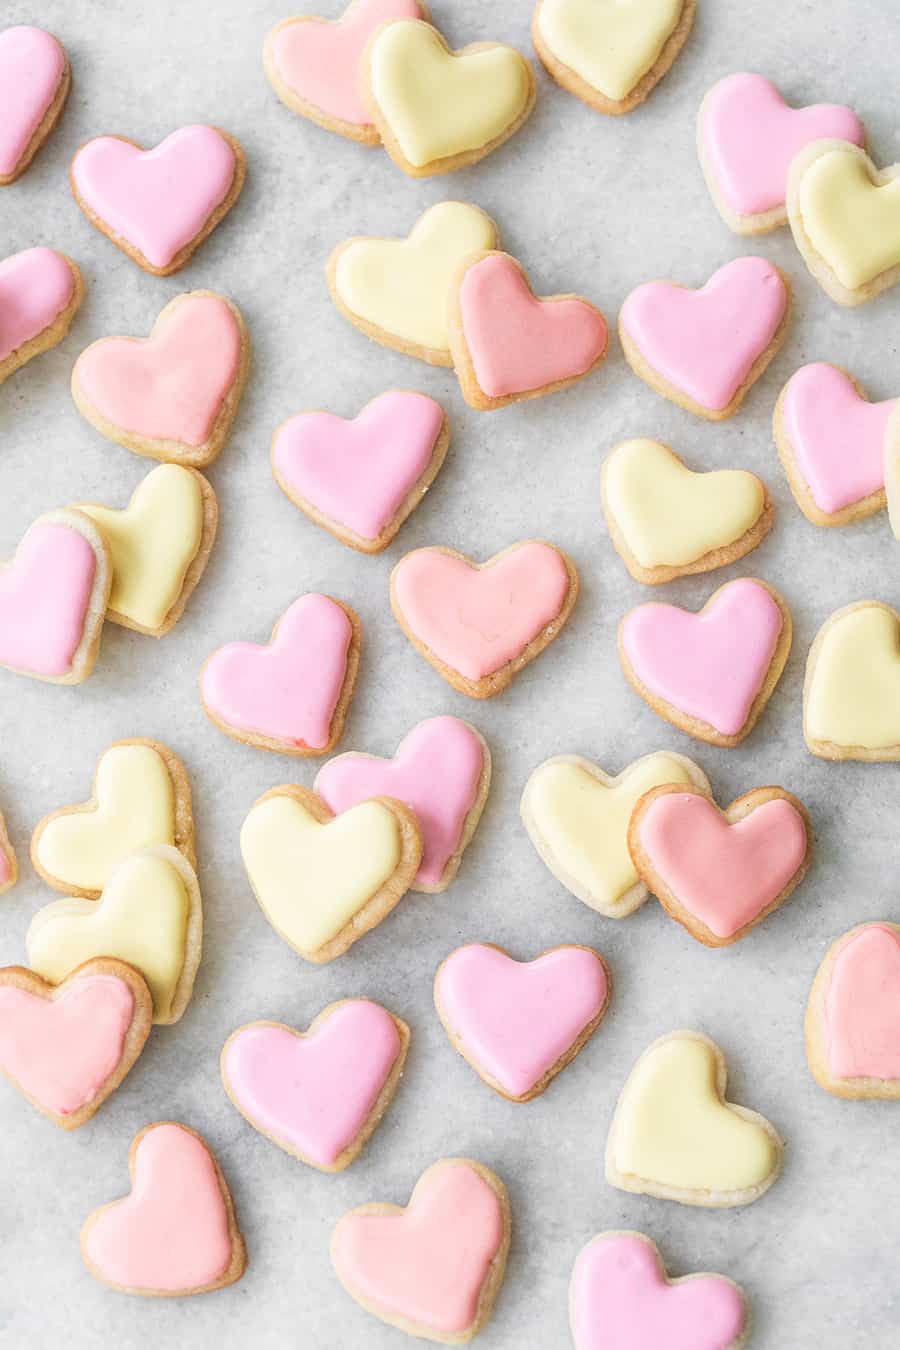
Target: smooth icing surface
{"x": 837, "y": 437}
{"x": 6, "y": 866}
{"x": 670, "y": 516}
{"x": 516, "y": 1019}
{"x": 518, "y": 342}
{"x": 135, "y": 810}
{"x": 428, "y": 1262}
{"x": 477, "y": 620}
{"x": 723, "y": 874}
{"x": 156, "y": 200}
{"x": 621, "y": 1300}
{"x": 853, "y": 697}
{"x": 31, "y": 67}
{"x": 62, "y": 1051}
{"x": 171, "y": 385}
{"x": 45, "y": 595}
{"x": 171, "y": 1232}
{"x": 750, "y": 135}
{"x": 709, "y": 665}
{"x": 36, "y": 285}
{"x": 153, "y": 542}
{"x": 359, "y": 472}
{"x": 314, "y": 1093}
{"x": 288, "y": 689}
{"x": 850, "y": 222}
{"x": 611, "y": 44}
{"x": 436, "y": 772}
{"x": 704, "y": 343}
{"x": 862, "y": 1006}
{"x": 402, "y": 285}
{"x": 311, "y": 879}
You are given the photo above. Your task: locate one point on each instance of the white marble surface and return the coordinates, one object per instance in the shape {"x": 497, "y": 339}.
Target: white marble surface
{"x": 589, "y": 204}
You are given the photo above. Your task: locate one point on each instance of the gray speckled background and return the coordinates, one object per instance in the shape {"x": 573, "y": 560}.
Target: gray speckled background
{"x": 588, "y": 204}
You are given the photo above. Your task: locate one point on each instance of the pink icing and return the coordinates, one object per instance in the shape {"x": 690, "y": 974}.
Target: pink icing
{"x": 170, "y": 386}
{"x": 621, "y": 1300}
{"x": 516, "y": 1019}
{"x": 35, "y": 287}
{"x": 171, "y": 1232}
{"x": 358, "y": 473}
{"x": 31, "y": 67}
{"x": 44, "y": 600}
{"x": 704, "y": 343}
{"x": 427, "y": 1263}
{"x": 724, "y": 874}
{"x": 62, "y": 1051}
{"x": 315, "y": 1093}
{"x": 156, "y": 200}
{"x": 518, "y": 342}
{"x": 319, "y": 61}
{"x": 477, "y": 620}
{"x": 750, "y": 136}
{"x": 710, "y": 665}
{"x": 5, "y": 865}
{"x": 436, "y": 772}
{"x": 862, "y": 1006}
{"x": 836, "y": 436}
{"x": 289, "y": 689}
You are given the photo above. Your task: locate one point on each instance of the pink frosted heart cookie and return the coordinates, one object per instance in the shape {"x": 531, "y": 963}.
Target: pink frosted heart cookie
{"x": 853, "y": 1014}
{"x": 40, "y": 293}
{"x": 319, "y": 1094}
{"x": 9, "y": 866}
{"x": 159, "y": 205}
{"x": 34, "y": 83}
{"x": 520, "y": 1023}
{"x": 433, "y": 1268}
{"x": 177, "y": 1232}
{"x": 361, "y": 478}
{"x": 704, "y": 349}
{"x": 713, "y": 672}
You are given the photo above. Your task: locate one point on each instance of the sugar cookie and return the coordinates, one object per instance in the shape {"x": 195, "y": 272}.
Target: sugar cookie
{"x": 892, "y": 468}
{"x": 35, "y": 77}
{"x": 853, "y": 1015}
{"x": 9, "y": 866}
{"x": 851, "y": 695}
{"x": 40, "y": 293}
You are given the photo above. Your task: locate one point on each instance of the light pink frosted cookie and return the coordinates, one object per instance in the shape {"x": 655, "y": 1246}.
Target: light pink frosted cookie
{"x": 853, "y": 1014}
{"x": 34, "y": 83}
{"x": 40, "y": 292}
{"x": 9, "y": 866}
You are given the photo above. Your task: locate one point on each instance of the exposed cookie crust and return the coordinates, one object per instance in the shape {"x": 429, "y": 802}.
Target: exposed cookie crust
{"x": 47, "y": 123}
{"x": 892, "y": 470}
{"x": 831, "y": 749}
{"x": 54, "y": 333}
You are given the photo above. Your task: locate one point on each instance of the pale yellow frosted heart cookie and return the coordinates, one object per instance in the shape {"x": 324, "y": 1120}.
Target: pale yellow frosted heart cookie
{"x": 322, "y": 880}
{"x": 667, "y": 521}
{"x": 577, "y": 818}
{"x": 674, "y": 1135}
{"x": 892, "y": 468}
{"x": 851, "y": 698}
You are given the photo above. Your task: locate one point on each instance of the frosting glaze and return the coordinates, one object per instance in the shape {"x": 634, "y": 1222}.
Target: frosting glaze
{"x": 32, "y": 64}
{"x": 850, "y": 215}
{"x": 7, "y": 861}
{"x": 852, "y": 695}
{"x": 711, "y": 665}
{"x": 36, "y": 286}
{"x": 704, "y": 343}
{"x": 516, "y": 1020}
{"x": 45, "y": 599}
{"x": 156, "y": 200}
{"x": 611, "y": 44}
{"x": 862, "y": 1006}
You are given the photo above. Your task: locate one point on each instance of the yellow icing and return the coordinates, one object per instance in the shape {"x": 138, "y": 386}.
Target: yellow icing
{"x": 402, "y": 285}
{"x": 309, "y": 878}
{"x": 854, "y": 694}
{"x": 669, "y": 516}
{"x": 851, "y": 223}
{"x": 437, "y": 104}
{"x": 611, "y": 44}
{"x": 153, "y": 543}
{"x": 136, "y": 809}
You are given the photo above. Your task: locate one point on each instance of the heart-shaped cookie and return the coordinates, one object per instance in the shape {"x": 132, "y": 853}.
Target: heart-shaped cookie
{"x": 479, "y": 624}
{"x": 361, "y": 478}
{"x": 720, "y": 873}
{"x": 831, "y": 441}
{"x": 318, "y": 1094}
{"x": 622, "y": 1299}
{"x": 433, "y": 1269}
{"x": 704, "y": 349}
{"x": 67, "y": 1047}
{"x": 9, "y": 866}
{"x": 173, "y": 395}
{"x": 397, "y": 291}
{"x": 675, "y": 1136}
{"x": 520, "y": 1023}
{"x": 53, "y": 597}
{"x": 291, "y": 695}
{"x": 711, "y": 673}
{"x": 667, "y": 521}
{"x": 34, "y": 83}
{"x": 851, "y": 697}
{"x": 40, "y": 292}
{"x": 747, "y": 136}
{"x": 436, "y": 109}
{"x": 177, "y": 1232}
{"x": 322, "y": 880}
{"x": 892, "y": 468}
{"x": 853, "y": 1014}
{"x": 159, "y": 205}
{"x": 610, "y": 53}
{"x": 845, "y": 219}
{"x": 149, "y": 914}
{"x": 508, "y": 344}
